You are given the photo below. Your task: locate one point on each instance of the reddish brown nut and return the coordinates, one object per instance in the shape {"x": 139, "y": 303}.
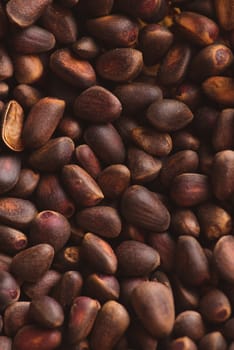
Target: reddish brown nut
{"x": 154, "y": 305}
{"x": 222, "y": 257}
{"x": 24, "y": 13}
{"x": 114, "y": 180}
{"x": 151, "y": 141}
{"x": 185, "y": 222}
{"x": 224, "y": 10}
{"x": 175, "y": 64}
{"x": 99, "y": 254}
{"x": 51, "y": 195}
{"x": 9, "y": 290}
{"x": 16, "y": 212}
{"x": 50, "y": 227}
{"x": 141, "y": 208}
{"x": 222, "y": 174}
{"x": 111, "y": 323}
{"x": 136, "y": 259}
{"x": 212, "y": 60}
{"x": 191, "y": 263}
{"x": 213, "y": 340}
{"x": 43, "y": 286}
{"x": 10, "y": 166}
{"x": 120, "y": 65}
{"x": 32, "y": 263}
{"x": 68, "y": 288}
{"x": 190, "y": 189}
{"x": 106, "y": 143}
{"x": 33, "y": 40}
{"x": 102, "y": 287}
{"x": 189, "y": 323}
{"x": 88, "y": 160}
{"x": 220, "y": 90}
{"x": 169, "y": 115}
{"x": 222, "y": 132}
{"x": 214, "y": 221}
{"x": 154, "y": 41}
{"x": 15, "y": 317}
{"x": 81, "y": 186}
{"x": 12, "y": 126}
{"x": 34, "y": 338}
{"x": 61, "y": 22}
{"x": 5, "y": 343}
{"x": 83, "y": 313}
{"x": 46, "y": 312}
{"x": 137, "y": 96}
{"x": 6, "y": 69}
{"x": 86, "y": 48}
{"x": 166, "y": 247}
{"x": 11, "y": 240}
{"x": 70, "y": 127}
{"x": 26, "y": 95}
{"x": 42, "y": 121}
{"x": 74, "y": 71}
{"x": 200, "y": 29}
{"x": 97, "y": 105}
{"x": 179, "y": 163}
{"x": 215, "y": 306}
{"x": 143, "y": 167}
{"x": 114, "y": 30}
{"x": 28, "y": 68}
{"x": 53, "y": 155}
